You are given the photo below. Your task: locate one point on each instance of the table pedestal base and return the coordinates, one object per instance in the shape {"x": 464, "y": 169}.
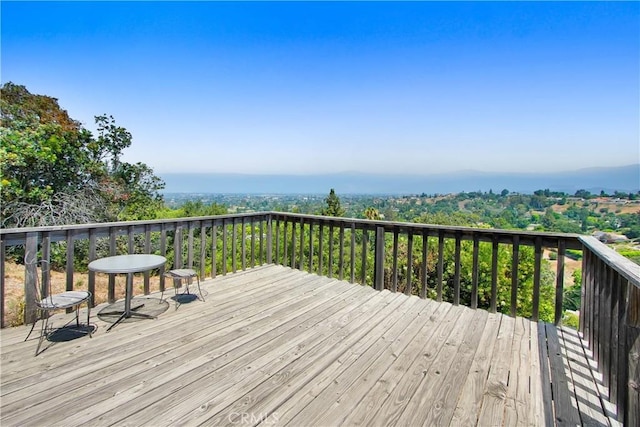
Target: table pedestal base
{"x": 125, "y": 315}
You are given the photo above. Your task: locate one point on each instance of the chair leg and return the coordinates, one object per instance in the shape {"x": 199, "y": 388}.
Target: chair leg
{"x": 44, "y": 331}
{"x": 33, "y": 325}
{"x": 89, "y": 319}
{"x": 199, "y": 290}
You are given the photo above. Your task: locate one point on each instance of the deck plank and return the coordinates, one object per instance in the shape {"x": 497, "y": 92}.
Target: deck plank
{"x": 494, "y": 399}
{"x": 468, "y": 405}
{"x": 278, "y": 346}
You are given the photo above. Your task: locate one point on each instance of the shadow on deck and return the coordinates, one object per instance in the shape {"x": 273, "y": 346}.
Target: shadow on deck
{"x": 278, "y": 346}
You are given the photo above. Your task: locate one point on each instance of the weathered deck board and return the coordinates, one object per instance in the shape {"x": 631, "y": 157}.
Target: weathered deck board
{"x": 284, "y": 347}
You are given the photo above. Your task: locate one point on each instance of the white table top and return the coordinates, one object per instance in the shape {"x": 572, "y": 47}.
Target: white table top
{"x": 133, "y": 263}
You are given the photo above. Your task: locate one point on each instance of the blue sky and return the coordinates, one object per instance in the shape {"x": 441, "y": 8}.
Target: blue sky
{"x": 321, "y": 87}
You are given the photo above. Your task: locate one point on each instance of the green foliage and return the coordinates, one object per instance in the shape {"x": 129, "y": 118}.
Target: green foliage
{"x": 53, "y": 171}
{"x": 332, "y": 207}
{"x": 571, "y": 320}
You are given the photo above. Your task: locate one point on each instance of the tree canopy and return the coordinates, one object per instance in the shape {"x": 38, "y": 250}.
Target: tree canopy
{"x": 54, "y": 171}
{"x": 332, "y": 207}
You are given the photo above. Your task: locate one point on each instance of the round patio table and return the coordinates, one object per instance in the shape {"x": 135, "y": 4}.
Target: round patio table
{"x": 127, "y": 264}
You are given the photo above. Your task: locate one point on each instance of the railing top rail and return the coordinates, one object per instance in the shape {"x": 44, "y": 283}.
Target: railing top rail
{"x": 571, "y": 238}
{"x": 127, "y": 223}
{"x": 627, "y": 268}
{"x": 505, "y": 236}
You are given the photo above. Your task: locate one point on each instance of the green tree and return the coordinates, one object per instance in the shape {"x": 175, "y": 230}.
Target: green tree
{"x": 332, "y": 207}
{"x": 53, "y": 171}
{"x": 372, "y": 213}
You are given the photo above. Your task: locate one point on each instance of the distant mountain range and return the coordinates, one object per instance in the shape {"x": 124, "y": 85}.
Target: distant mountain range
{"x": 624, "y": 178}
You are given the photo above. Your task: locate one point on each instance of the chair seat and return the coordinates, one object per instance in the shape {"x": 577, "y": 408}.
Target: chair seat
{"x": 64, "y": 300}
{"x": 182, "y": 273}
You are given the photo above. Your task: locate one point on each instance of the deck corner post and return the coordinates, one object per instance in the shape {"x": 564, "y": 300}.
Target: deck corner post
{"x": 379, "y": 259}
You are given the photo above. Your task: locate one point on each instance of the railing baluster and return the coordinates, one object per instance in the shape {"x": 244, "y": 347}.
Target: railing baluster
{"x": 409, "y": 288}
{"x": 394, "y": 281}
{"x": 559, "y": 282}
{"x": 293, "y": 244}
{"x": 243, "y": 244}
{"x": 234, "y": 245}
{"x": 353, "y": 252}
{"x": 147, "y": 250}
{"x": 253, "y": 243}
{"x": 320, "y": 248}
{"x": 330, "y": 269}
{"x": 608, "y": 335}
{"x": 440, "y": 265}
{"x": 92, "y": 274}
{"x": 163, "y": 252}
{"x": 224, "y": 248}
{"x": 341, "y": 262}
{"x": 269, "y": 241}
{"x": 130, "y": 240}
{"x": 474, "y": 273}
{"x": 301, "y": 260}
{"x": 311, "y": 247}
{"x": 456, "y": 274}
{"x": 285, "y": 242}
{"x": 536, "y": 278}
{"x": 615, "y": 341}
{"x": 365, "y": 235}
{"x": 203, "y": 248}
{"x": 623, "y": 356}
{"x": 493, "y": 305}
{"x": 515, "y": 255}
{"x": 214, "y": 250}
{"x": 379, "y": 259}
{"x": 424, "y": 272}
{"x": 69, "y": 264}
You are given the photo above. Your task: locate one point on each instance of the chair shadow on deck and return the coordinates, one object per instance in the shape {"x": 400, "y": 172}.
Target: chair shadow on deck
{"x": 187, "y": 298}
{"x": 67, "y": 333}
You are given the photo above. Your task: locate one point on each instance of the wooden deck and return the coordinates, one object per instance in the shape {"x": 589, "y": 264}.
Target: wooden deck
{"x": 278, "y": 346}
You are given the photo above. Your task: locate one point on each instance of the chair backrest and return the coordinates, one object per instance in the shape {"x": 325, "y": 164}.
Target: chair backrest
{"x": 41, "y": 279}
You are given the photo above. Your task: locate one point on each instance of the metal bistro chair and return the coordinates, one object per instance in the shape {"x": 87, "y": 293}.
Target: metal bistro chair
{"x": 180, "y": 274}
{"x": 48, "y": 302}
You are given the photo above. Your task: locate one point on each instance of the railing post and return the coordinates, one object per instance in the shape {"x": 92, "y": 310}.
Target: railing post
{"x": 559, "y": 282}
{"x": 30, "y": 271}
{"x": 92, "y": 274}
{"x": 379, "y": 259}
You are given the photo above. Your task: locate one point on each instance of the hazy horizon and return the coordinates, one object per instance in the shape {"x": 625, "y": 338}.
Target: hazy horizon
{"x": 626, "y": 179}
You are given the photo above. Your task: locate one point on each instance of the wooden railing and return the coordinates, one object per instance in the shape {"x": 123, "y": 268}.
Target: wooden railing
{"x": 500, "y": 270}
{"x": 610, "y": 322}
{"x": 213, "y": 245}
{"x": 427, "y": 260}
